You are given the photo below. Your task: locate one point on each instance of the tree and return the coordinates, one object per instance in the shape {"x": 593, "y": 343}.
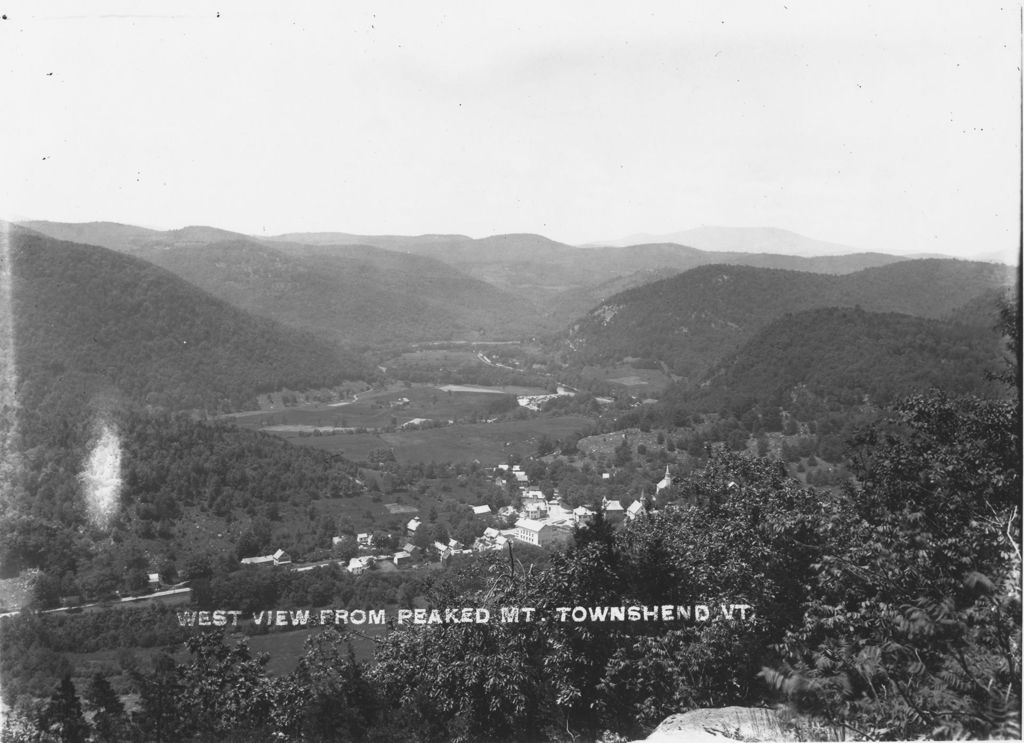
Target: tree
{"x": 197, "y": 567}
{"x": 159, "y": 716}
{"x": 223, "y": 691}
{"x": 913, "y": 626}
{"x": 339, "y": 703}
{"x": 45, "y": 591}
{"x": 62, "y": 716}
{"x": 109, "y": 721}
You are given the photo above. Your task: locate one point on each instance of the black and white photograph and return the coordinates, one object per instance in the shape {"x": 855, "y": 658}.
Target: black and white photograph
{"x": 473, "y": 372}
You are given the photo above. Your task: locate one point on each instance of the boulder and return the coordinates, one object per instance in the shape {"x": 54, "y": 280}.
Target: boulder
{"x": 722, "y": 724}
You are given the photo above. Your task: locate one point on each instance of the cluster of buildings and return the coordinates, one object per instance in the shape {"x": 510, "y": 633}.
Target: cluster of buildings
{"x": 540, "y": 522}
{"x": 545, "y": 522}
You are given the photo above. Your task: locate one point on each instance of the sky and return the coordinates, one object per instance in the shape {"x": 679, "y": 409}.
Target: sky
{"x": 884, "y": 126}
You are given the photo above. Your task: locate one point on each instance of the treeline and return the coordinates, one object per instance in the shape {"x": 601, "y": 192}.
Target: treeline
{"x": 890, "y": 609}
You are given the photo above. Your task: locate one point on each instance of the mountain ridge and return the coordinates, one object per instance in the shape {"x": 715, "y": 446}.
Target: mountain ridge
{"x": 693, "y": 319}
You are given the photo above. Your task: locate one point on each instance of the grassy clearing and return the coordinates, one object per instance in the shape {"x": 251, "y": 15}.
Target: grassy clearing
{"x": 490, "y": 443}
{"x": 637, "y": 381}
{"x": 381, "y": 408}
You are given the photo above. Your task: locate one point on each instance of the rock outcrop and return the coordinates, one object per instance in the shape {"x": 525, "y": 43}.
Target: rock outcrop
{"x": 731, "y": 723}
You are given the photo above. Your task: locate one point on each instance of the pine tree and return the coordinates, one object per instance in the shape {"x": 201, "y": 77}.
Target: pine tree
{"x": 62, "y": 716}
{"x": 109, "y": 720}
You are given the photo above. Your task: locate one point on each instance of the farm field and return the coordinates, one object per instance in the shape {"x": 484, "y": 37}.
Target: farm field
{"x": 489, "y": 443}
{"x": 637, "y": 381}
{"x": 381, "y": 408}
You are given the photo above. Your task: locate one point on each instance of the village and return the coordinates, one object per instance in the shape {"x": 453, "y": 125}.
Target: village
{"x": 539, "y": 521}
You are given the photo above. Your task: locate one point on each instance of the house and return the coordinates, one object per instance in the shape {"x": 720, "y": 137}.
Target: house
{"x": 613, "y": 510}
{"x": 521, "y": 478}
{"x": 402, "y": 558}
{"x": 635, "y": 509}
{"x": 582, "y": 515}
{"x": 363, "y": 539}
{"x": 154, "y": 580}
{"x": 441, "y": 547}
{"x": 540, "y": 534}
{"x": 664, "y": 483}
{"x": 491, "y": 533}
{"x": 606, "y": 476}
{"x": 411, "y": 548}
{"x": 335, "y": 541}
{"x": 536, "y": 510}
{"x": 282, "y": 558}
{"x": 413, "y": 525}
{"x": 261, "y": 560}
{"x": 481, "y": 510}
{"x": 359, "y": 565}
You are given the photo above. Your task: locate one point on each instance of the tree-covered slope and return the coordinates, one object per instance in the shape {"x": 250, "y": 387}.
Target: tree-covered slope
{"x": 362, "y": 294}
{"x": 89, "y": 321}
{"x": 695, "y": 319}
{"x": 346, "y": 292}
{"x": 850, "y": 356}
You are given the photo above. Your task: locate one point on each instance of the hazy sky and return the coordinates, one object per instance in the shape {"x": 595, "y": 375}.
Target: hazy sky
{"x": 886, "y": 126}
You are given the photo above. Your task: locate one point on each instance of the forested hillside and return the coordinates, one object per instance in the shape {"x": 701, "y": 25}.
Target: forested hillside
{"x": 695, "y": 319}
{"x": 170, "y": 466}
{"x": 550, "y": 273}
{"x": 847, "y": 357}
{"x": 501, "y": 285}
{"x": 368, "y": 295}
{"x": 91, "y": 322}
{"x": 349, "y": 294}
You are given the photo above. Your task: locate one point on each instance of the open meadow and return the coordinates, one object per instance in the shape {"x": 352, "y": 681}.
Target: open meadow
{"x": 488, "y": 443}
{"x": 393, "y": 406}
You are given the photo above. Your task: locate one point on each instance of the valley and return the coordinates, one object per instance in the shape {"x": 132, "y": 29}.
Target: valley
{"x": 329, "y": 420}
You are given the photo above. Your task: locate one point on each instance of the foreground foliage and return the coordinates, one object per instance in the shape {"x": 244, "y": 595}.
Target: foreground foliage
{"x": 890, "y": 609}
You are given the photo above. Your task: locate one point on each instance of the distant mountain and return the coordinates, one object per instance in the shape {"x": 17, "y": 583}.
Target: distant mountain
{"x": 348, "y": 293}
{"x": 404, "y": 243}
{"x": 562, "y": 279}
{"x": 695, "y": 319}
{"x": 536, "y": 284}
{"x": 738, "y": 239}
{"x": 112, "y": 235}
{"x": 848, "y": 356}
{"x": 355, "y": 293}
{"x": 93, "y": 323}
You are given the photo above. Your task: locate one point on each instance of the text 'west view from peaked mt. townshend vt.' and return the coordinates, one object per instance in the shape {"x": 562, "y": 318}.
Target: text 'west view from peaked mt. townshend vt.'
{"x": 324, "y": 486}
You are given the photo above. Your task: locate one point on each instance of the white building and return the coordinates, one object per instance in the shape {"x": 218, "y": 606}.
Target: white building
{"x": 280, "y": 557}
{"x": 665, "y": 482}
{"x": 540, "y": 533}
